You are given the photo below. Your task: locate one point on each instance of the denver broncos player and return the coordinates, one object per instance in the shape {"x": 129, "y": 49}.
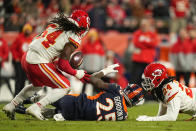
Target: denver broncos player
{"x": 173, "y": 96}
{"x": 110, "y": 104}
{"x": 60, "y": 39}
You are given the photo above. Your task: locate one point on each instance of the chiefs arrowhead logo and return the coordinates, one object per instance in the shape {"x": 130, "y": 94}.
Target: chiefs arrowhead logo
{"x": 157, "y": 72}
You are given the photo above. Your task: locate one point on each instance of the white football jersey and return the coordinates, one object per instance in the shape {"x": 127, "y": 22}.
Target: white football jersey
{"x": 187, "y": 96}
{"x": 178, "y": 98}
{"x": 49, "y": 45}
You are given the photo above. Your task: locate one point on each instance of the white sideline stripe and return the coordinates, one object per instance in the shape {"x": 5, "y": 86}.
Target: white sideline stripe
{"x": 57, "y": 76}
{"x": 48, "y": 76}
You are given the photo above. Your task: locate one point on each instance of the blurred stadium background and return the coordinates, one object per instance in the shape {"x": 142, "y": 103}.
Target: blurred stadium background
{"x": 119, "y": 29}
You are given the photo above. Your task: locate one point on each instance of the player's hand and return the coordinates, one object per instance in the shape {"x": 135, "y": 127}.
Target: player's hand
{"x": 144, "y": 118}
{"x": 110, "y": 69}
{"x": 82, "y": 76}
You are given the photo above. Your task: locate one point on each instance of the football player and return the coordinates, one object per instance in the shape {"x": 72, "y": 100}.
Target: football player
{"x": 174, "y": 97}
{"x": 110, "y": 104}
{"x": 60, "y": 39}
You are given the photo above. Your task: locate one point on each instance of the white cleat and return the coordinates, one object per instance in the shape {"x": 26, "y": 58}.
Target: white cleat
{"x": 35, "y": 111}
{"x": 58, "y": 117}
{"x": 9, "y": 110}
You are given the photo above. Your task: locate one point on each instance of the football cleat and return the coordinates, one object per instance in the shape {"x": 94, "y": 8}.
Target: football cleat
{"x": 9, "y": 110}
{"x": 58, "y": 117}
{"x": 35, "y": 111}
{"x": 20, "y": 109}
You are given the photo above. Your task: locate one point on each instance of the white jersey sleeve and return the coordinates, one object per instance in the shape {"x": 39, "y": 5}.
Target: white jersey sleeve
{"x": 162, "y": 109}
{"x": 171, "y": 112}
{"x": 74, "y": 39}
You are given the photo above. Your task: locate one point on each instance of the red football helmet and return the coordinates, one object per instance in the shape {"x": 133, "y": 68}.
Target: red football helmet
{"x": 81, "y": 19}
{"x": 153, "y": 76}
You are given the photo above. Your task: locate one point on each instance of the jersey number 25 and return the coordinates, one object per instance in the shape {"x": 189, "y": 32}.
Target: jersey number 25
{"x": 110, "y": 116}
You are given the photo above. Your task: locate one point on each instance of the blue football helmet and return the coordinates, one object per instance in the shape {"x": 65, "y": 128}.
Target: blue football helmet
{"x": 133, "y": 94}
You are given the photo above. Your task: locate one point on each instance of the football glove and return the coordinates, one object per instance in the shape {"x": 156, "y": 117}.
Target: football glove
{"x": 110, "y": 69}
{"x": 82, "y": 76}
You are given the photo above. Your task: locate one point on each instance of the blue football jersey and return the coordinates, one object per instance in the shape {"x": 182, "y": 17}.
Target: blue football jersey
{"x": 106, "y": 105}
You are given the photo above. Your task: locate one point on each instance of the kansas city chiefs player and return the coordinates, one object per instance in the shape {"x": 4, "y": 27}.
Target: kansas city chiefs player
{"x": 173, "y": 96}
{"x": 60, "y": 39}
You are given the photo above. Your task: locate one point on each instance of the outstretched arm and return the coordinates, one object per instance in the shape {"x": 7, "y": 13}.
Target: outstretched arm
{"x": 95, "y": 77}
{"x": 171, "y": 114}
{"x": 98, "y": 83}
{"x": 105, "y": 71}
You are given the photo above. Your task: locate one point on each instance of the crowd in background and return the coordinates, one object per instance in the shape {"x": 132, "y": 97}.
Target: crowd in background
{"x": 145, "y": 19}
{"x": 121, "y": 15}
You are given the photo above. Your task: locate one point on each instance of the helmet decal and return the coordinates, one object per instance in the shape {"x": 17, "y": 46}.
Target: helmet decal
{"x": 157, "y": 72}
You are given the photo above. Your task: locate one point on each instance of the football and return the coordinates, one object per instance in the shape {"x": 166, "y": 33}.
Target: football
{"x": 76, "y": 59}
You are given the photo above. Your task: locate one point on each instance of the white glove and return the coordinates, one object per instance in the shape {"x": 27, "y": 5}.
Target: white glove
{"x": 80, "y": 74}
{"x": 58, "y": 117}
{"x": 110, "y": 69}
{"x": 144, "y": 118}
{"x": 83, "y": 76}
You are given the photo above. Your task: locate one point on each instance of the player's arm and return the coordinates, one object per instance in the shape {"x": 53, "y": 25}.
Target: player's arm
{"x": 67, "y": 51}
{"x": 64, "y": 65}
{"x": 162, "y": 109}
{"x": 105, "y": 71}
{"x": 98, "y": 83}
{"x": 63, "y": 62}
{"x": 172, "y": 112}
{"x": 95, "y": 77}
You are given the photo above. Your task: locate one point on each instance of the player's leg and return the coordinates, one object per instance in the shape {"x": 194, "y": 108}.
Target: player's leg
{"x": 51, "y": 97}
{"x": 66, "y": 108}
{"x": 51, "y": 77}
{"x": 26, "y": 92}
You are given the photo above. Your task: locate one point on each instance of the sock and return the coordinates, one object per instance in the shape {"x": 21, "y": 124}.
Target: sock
{"x": 52, "y": 97}
{"x": 26, "y": 92}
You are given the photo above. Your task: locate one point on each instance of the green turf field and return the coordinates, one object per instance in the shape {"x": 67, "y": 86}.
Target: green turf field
{"x": 27, "y": 123}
